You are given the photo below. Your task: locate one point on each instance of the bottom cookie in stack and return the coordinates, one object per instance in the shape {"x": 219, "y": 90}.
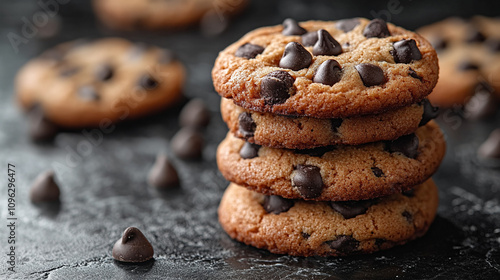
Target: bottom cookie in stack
{"x": 322, "y": 228}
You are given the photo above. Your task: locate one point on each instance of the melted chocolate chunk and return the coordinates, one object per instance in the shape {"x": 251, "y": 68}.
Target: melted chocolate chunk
{"x": 344, "y": 243}
{"x": 246, "y": 125}
{"x": 44, "y": 188}
{"x": 351, "y": 209}
{"x": 430, "y": 112}
{"x": 335, "y": 124}
{"x": 376, "y": 28}
{"x": 291, "y": 27}
{"x": 414, "y": 74}
{"x": 328, "y": 73}
{"x": 163, "y": 175}
{"x": 307, "y": 179}
{"x": 408, "y": 216}
{"x": 277, "y": 204}
{"x": 309, "y": 39}
{"x": 377, "y": 172}
{"x": 347, "y": 25}
{"x": 406, "y": 51}
{"x": 188, "y": 143}
{"x": 249, "y": 150}
{"x": 295, "y": 57}
{"x": 276, "y": 87}
{"x": 195, "y": 114}
{"x": 474, "y": 36}
{"x": 439, "y": 43}
{"x": 249, "y": 51}
{"x": 147, "y": 82}
{"x": 326, "y": 44}
{"x": 406, "y": 145}
{"x": 88, "y": 93}
{"x": 370, "y": 74}
{"x": 104, "y": 72}
{"x": 132, "y": 247}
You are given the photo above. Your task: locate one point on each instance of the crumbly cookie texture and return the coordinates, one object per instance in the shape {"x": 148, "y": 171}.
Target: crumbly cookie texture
{"x": 305, "y": 228}
{"x": 86, "y": 84}
{"x": 469, "y": 58}
{"x": 153, "y": 14}
{"x": 326, "y": 69}
{"x": 279, "y": 131}
{"x": 334, "y": 173}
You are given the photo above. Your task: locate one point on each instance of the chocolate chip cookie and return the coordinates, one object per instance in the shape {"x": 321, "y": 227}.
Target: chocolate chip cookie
{"x": 155, "y": 14}
{"x": 279, "y": 131}
{"x": 334, "y": 173}
{"x": 327, "y": 69}
{"x": 88, "y": 84}
{"x": 307, "y": 228}
{"x": 469, "y": 58}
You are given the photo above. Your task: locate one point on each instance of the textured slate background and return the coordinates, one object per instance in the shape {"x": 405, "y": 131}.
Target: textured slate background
{"x": 105, "y": 191}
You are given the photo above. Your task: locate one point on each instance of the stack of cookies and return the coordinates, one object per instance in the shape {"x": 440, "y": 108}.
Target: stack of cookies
{"x": 331, "y": 144}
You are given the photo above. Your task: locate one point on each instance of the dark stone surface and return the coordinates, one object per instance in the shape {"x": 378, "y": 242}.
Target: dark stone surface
{"x": 106, "y": 191}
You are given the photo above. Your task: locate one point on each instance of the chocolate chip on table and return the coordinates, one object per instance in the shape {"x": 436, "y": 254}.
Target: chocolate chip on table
{"x": 405, "y": 51}
{"x": 291, "y": 27}
{"x": 473, "y": 35}
{"x": 414, "y": 74}
{"x": 326, "y": 44}
{"x": 163, "y": 174}
{"x": 40, "y": 128}
{"x": 370, "y": 74}
{"x": 482, "y": 105}
{"x": 344, "y": 243}
{"x": 347, "y": 25}
{"x": 307, "y": 179}
{"x": 276, "y": 87}
{"x": 133, "y": 247}
{"x": 491, "y": 147}
{"x": 309, "y": 39}
{"x": 88, "y": 93}
{"x": 408, "y": 216}
{"x": 249, "y": 150}
{"x": 44, "y": 188}
{"x": 187, "y": 143}
{"x": 328, "y": 73}
{"x": 406, "y": 145}
{"x": 376, "y": 28}
{"x": 295, "y": 57}
{"x": 430, "y": 112}
{"x": 249, "y": 51}
{"x": 351, "y": 209}
{"x": 104, "y": 72}
{"x": 277, "y": 204}
{"x": 246, "y": 125}
{"x": 335, "y": 124}
{"x": 148, "y": 82}
{"x": 377, "y": 172}
{"x": 467, "y": 65}
{"x": 195, "y": 114}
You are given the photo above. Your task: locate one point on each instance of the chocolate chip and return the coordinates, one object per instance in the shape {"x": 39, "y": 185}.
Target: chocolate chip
{"x": 493, "y": 44}
{"x": 467, "y": 65}
{"x": 187, "y": 143}
{"x": 377, "y": 172}
{"x": 315, "y": 152}
{"x": 414, "y": 74}
{"x": 249, "y": 51}
{"x": 491, "y": 147}
{"x": 277, "y": 204}
{"x": 351, "y": 209}
{"x": 88, "y": 93}
{"x": 328, "y": 73}
{"x": 276, "y": 87}
{"x": 335, "y": 124}
{"x": 344, "y": 244}
{"x": 69, "y": 71}
{"x": 307, "y": 179}
{"x": 147, "y": 82}
{"x": 104, "y": 72}
{"x": 326, "y": 44}
{"x": 347, "y": 25}
{"x": 409, "y": 193}
{"x": 376, "y": 28}
{"x": 407, "y": 145}
{"x": 408, "y": 216}
{"x": 306, "y": 235}
{"x": 430, "y": 112}
{"x": 132, "y": 247}
{"x": 249, "y": 150}
{"x": 40, "y": 128}
{"x": 370, "y": 74}
{"x": 309, "y": 39}
{"x": 163, "y": 174}
{"x": 44, "y": 188}
{"x": 166, "y": 56}
{"x": 405, "y": 51}
{"x": 195, "y": 114}
{"x": 474, "y": 36}
{"x": 295, "y": 57}
{"x": 439, "y": 43}
{"x": 246, "y": 125}
{"x": 482, "y": 104}
{"x": 291, "y": 27}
